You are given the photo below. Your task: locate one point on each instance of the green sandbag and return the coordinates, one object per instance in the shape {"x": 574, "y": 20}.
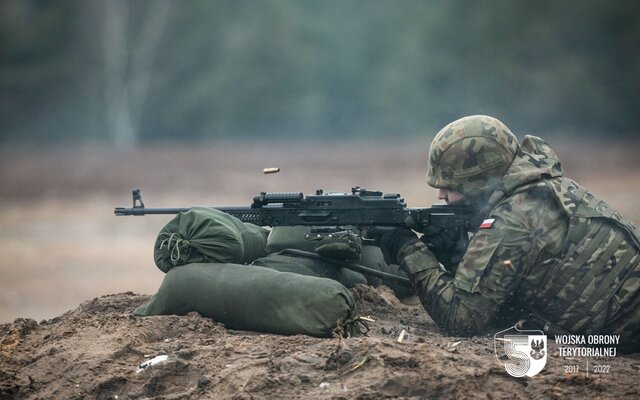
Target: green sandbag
{"x": 311, "y": 267}
{"x": 289, "y": 237}
{"x": 207, "y": 235}
{"x": 256, "y": 299}
{"x": 294, "y": 237}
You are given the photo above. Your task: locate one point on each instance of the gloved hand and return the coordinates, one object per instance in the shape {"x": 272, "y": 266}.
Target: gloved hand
{"x": 448, "y": 247}
{"x": 343, "y": 246}
{"x": 391, "y": 241}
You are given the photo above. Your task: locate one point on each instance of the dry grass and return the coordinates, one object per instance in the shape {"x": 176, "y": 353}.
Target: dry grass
{"x": 60, "y": 243}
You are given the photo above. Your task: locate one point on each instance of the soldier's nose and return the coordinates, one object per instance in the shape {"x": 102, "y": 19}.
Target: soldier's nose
{"x": 443, "y": 194}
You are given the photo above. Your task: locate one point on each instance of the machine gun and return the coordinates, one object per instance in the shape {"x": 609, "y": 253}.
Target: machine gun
{"x": 444, "y": 227}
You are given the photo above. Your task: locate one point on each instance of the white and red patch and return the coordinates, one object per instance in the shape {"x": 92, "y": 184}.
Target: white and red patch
{"x": 487, "y": 223}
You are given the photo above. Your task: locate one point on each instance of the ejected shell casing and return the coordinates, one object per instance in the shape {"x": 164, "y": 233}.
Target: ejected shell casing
{"x": 271, "y": 170}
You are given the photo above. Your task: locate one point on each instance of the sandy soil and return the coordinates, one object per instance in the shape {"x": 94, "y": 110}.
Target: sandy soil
{"x": 96, "y": 351}
{"x": 61, "y": 245}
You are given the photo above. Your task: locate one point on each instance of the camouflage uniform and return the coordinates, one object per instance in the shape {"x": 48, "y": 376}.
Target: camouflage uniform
{"x": 553, "y": 254}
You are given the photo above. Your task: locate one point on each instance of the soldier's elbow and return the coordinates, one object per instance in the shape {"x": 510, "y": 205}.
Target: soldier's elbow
{"x": 460, "y": 325}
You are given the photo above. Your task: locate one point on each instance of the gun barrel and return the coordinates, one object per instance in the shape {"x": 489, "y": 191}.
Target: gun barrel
{"x": 138, "y": 211}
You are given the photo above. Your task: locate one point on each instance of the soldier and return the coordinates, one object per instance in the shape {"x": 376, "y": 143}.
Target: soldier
{"x": 547, "y": 250}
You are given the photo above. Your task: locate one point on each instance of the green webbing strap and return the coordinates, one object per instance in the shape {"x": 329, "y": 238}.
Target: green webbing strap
{"x": 580, "y": 193}
{"x": 606, "y": 290}
{"x": 595, "y": 268}
{"x": 602, "y": 260}
{"x": 594, "y": 202}
{"x": 560, "y": 282}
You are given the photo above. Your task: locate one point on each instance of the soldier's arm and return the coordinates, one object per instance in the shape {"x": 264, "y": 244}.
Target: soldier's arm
{"x": 487, "y": 277}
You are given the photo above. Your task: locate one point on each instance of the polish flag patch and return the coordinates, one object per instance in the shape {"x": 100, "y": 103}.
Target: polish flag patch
{"x": 487, "y": 223}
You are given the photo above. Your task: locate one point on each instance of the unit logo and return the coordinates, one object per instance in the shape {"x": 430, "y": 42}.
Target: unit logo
{"x": 521, "y": 352}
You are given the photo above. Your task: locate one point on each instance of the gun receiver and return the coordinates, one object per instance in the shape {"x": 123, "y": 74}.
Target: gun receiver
{"x": 361, "y": 208}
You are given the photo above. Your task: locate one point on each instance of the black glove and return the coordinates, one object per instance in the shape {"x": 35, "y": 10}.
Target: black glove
{"x": 345, "y": 246}
{"x": 391, "y": 241}
{"x": 448, "y": 246}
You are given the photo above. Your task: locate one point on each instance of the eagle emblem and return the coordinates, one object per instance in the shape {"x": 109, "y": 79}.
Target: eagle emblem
{"x": 537, "y": 349}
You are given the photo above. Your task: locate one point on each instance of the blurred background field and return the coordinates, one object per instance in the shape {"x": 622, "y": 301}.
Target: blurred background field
{"x": 189, "y": 100}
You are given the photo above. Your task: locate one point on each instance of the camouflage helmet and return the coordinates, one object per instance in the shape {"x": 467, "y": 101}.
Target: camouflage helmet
{"x": 471, "y": 154}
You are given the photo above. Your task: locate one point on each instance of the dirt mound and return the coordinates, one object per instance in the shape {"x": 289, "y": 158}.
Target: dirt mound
{"x": 99, "y": 350}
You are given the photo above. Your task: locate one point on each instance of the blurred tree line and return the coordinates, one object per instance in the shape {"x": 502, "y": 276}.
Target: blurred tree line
{"x": 123, "y": 72}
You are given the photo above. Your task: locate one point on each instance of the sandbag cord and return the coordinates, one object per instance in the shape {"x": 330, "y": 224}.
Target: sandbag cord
{"x": 360, "y": 325}
{"x": 175, "y": 250}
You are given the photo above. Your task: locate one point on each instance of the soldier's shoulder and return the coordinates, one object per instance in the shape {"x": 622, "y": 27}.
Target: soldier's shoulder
{"x": 525, "y": 207}
{"x": 529, "y": 197}
{"x": 518, "y": 203}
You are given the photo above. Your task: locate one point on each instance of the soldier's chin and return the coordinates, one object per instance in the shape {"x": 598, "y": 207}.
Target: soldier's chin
{"x": 459, "y": 202}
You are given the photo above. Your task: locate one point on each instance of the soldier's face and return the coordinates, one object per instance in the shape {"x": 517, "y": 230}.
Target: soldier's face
{"x": 450, "y": 196}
